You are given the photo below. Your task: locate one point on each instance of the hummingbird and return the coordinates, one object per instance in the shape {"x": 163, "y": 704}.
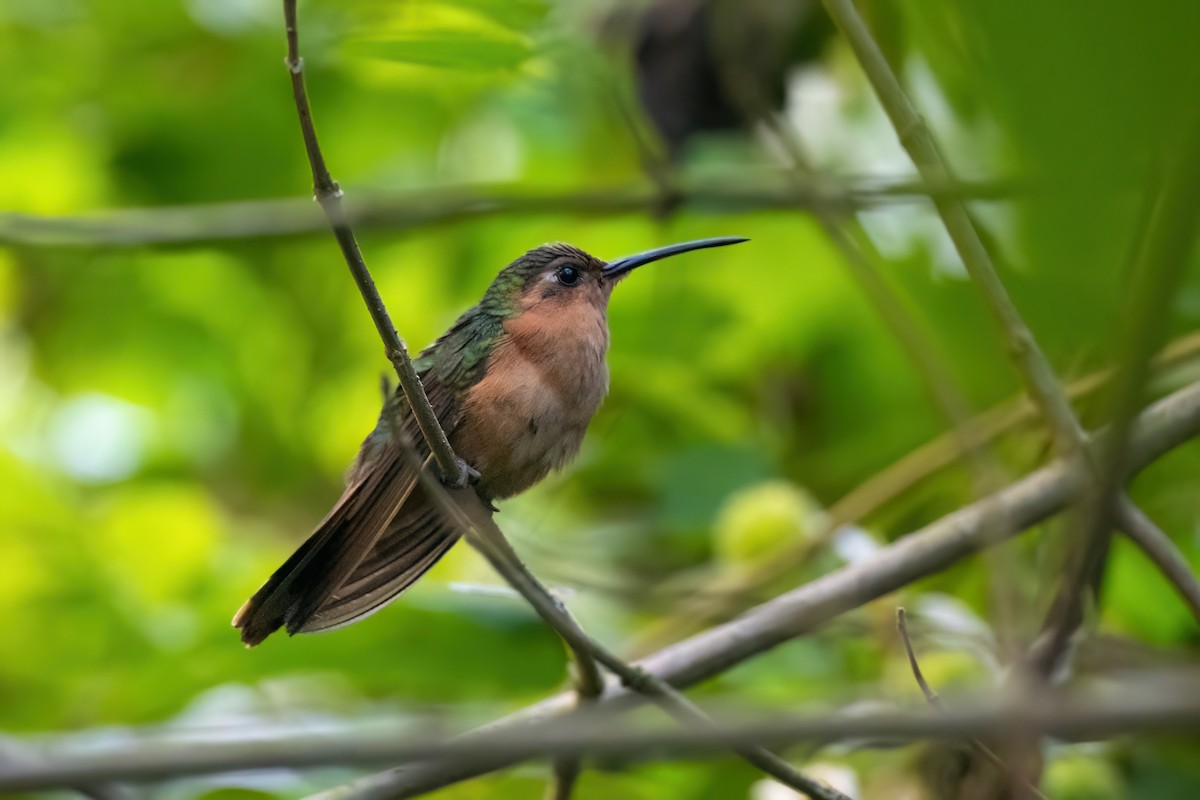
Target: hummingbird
{"x": 514, "y": 383}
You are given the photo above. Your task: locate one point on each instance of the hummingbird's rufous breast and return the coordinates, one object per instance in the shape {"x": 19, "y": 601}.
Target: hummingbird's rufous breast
{"x": 544, "y": 381}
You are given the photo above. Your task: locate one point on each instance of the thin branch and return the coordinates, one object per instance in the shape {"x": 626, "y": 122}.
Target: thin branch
{"x": 930, "y": 695}
{"x": 1160, "y": 264}
{"x": 935, "y": 701}
{"x": 1166, "y": 710}
{"x": 589, "y": 687}
{"x": 1164, "y": 244}
{"x": 705, "y": 602}
{"x": 471, "y": 515}
{"x": 862, "y": 260}
{"x": 915, "y": 137}
{"x": 453, "y": 470}
{"x": 1142, "y": 531}
{"x": 455, "y": 473}
{"x": 1038, "y": 496}
{"x": 424, "y": 208}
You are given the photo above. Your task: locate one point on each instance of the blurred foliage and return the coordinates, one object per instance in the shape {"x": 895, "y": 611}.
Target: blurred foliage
{"x": 173, "y": 420}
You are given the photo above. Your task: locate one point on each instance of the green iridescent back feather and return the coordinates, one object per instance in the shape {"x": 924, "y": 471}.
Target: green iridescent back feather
{"x": 458, "y": 358}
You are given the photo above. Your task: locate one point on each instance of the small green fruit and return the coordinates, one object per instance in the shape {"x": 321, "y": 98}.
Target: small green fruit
{"x": 763, "y": 520}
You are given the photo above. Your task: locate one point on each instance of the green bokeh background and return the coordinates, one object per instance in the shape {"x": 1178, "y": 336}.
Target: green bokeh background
{"x": 175, "y": 418}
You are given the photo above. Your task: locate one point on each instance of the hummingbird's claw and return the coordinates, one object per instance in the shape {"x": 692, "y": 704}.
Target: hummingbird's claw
{"x": 467, "y": 475}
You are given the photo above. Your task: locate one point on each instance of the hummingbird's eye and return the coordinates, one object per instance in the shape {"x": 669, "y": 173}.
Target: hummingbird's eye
{"x": 568, "y": 275}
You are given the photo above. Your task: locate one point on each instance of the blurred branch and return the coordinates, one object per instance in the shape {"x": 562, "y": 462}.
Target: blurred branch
{"x": 862, "y": 260}
{"x": 453, "y": 470}
{"x": 471, "y": 515}
{"x": 15, "y": 756}
{"x": 1142, "y": 531}
{"x": 1160, "y": 263}
{"x": 1163, "y": 710}
{"x": 1164, "y": 250}
{"x": 915, "y": 137}
{"x": 935, "y": 701}
{"x": 589, "y": 686}
{"x": 705, "y": 603}
{"x": 546, "y": 728}
{"x": 476, "y": 519}
{"x": 930, "y": 695}
{"x": 1040, "y": 495}
{"x": 254, "y": 219}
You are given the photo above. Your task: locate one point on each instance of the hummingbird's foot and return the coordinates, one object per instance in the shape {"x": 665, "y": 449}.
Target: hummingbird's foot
{"x": 467, "y": 475}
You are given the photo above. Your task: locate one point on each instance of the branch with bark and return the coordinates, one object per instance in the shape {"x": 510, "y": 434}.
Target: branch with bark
{"x": 1162, "y": 257}
{"x": 1037, "y": 497}
{"x": 465, "y": 506}
{"x": 444, "y": 205}
{"x": 603, "y": 733}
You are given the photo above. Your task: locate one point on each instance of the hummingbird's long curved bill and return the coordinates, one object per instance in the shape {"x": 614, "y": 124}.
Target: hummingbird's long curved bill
{"x": 623, "y": 265}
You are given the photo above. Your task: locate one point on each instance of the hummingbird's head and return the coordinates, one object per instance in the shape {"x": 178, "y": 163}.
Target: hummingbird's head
{"x": 559, "y": 277}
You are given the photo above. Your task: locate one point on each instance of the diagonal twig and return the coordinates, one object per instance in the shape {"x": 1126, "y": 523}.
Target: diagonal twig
{"x": 589, "y": 687}
{"x": 935, "y": 700}
{"x": 1034, "y": 368}
{"x": 1027, "y": 502}
{"x": 1142, "y": 531}
{"x": 487, "y": 537}
{"x": 1158, "y": 269}
{"x": 329, "y": 194}
{"x": 468, "y": 510}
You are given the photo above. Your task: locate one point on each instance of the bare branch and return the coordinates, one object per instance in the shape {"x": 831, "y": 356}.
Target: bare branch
{"x": 589, "y": 687}
{"x": 253, "y": 219}
{"x": 1158, "y": 270}
{"x": 1142, "y": 531}
{"x": 934, "y": 700}
{"x": 453, "y": 470}
{"x": 1042, "y": 494}
{"x": 470, "y": 513}
{"x": 466, "y": 506}
{"x": 1165, "y": 250}
{"x": 13, "y": 755}
{"x": 1167, "y": 710}
{"x": 916, "y": 139}
{"x": 707, "y": 603}
{"x": 930, "y": 695}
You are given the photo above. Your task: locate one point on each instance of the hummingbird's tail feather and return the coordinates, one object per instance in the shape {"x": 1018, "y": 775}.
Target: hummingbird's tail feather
{"x": 331, "y": 554}
{"x": 417, "y": 538}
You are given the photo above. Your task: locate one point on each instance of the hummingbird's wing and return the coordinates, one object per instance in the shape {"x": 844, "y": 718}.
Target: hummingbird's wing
{"x": 384, "y": 532}
{"x": 368, "y": 514}
{"x": 330, "y": 555}
{"x": 420, "y": 534}
{"x": 416, "y": 539}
